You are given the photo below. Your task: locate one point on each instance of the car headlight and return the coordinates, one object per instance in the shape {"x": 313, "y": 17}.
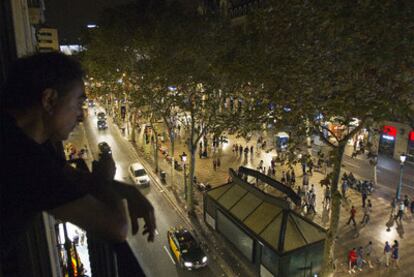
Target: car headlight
{"x": 204, "y": 260}
{"x": 188, "y": 264}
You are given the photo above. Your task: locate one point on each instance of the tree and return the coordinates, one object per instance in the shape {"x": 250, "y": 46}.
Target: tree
{"x": 334, "y": 62}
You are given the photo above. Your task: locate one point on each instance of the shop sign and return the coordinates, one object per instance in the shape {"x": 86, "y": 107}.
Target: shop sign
{"x": 411, "y": 136}
{"x": 389, "y": 132}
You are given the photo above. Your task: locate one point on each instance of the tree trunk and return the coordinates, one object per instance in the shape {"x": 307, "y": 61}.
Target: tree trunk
{"x": 155, "y": 147}
{"x": 172, "y": 140}
{"x": 328, "y": 260}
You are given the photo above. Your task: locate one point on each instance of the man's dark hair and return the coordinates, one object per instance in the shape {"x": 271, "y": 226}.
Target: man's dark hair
{"x": 30, "y": 76}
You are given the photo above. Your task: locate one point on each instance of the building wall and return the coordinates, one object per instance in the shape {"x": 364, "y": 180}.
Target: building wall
{"x": 24, "y": 32}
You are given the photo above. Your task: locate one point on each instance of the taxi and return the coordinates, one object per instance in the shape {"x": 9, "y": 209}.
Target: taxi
{"x": 185, "y": 249}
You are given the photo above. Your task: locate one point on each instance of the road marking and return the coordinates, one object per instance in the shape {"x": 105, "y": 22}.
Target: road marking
{"x": 169, "y": 254}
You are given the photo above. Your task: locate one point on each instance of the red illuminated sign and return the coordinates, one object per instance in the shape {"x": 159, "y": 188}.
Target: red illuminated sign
{"x": 390, "y": 131}
{"x": 411, "y": 136}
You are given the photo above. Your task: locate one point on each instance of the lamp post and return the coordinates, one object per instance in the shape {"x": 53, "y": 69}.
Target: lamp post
{"x": 403, "y": 157}
{"x": 184, "y": 161}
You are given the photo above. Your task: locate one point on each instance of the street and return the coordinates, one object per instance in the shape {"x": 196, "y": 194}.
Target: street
{"x": 155, "y": 258}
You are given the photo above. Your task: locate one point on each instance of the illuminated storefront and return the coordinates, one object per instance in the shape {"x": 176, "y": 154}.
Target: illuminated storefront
{"x": 387, "y": 140}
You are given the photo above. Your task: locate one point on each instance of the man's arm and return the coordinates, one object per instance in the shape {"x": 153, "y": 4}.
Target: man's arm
{"x": 102, "y": 210}
{"x": 94, "y": 216}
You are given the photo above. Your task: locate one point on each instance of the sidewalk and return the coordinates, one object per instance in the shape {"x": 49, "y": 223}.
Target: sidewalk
{"x": 375, "y": 230}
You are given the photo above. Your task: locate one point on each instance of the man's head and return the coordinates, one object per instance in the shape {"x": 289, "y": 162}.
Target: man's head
{"x": 50, "y": 86}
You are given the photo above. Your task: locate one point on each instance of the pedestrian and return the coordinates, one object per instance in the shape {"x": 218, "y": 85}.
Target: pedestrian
{"x": 312, "y": 189}
{"x": 310, "y": 165}
{"x": 352, "y": 258}
{"x": 412, "y": 207}
{"x": 395, "y": 254}
{"x": 218, "y": 162}
{"x": 303, "y": 163}
{"x": 214, "y": 164}
{"x": 269, "y": 171}
{"x": 305, "y": 179}
{"x": 387, "y": 253}
{"x": 200, "y": 153}
{"x": 367, "y": 212}
{"x": 364, "y": 196}
{"x": 344, "y": 188}
{"x": 360, "y": 258}
{"x": 236, "y": 148}
{"x": 288, "y": 177}
{"x": 352, "y": 216}
{"x": 393, "y": 205}
{"x": 327, "y": 198}
{"x": 406, "y": 203}
{"x": 368, "y": 253}
{"x": 283, "y": 180}
{"x": 246, "y": 151}
{"x": 312, "y": 202}
{"x": 240, "y": 150}
{"x": 400, "y": 212}
{"x": 293, "y": 177}
{"x": 201, "y": 145}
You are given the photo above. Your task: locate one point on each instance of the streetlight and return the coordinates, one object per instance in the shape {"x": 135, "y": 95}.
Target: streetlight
{"x": 184, "y": 160}
{"x": 403, "y": 157}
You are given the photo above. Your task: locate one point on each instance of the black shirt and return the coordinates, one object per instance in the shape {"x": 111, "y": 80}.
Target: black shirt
{"x": 32, "y": 180}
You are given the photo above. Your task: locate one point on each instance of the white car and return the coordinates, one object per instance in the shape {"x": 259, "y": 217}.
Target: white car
{"x": 138, "y": 174}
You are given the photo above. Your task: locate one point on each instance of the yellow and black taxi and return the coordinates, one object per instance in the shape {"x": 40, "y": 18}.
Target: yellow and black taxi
{"x": 185, "y": 249}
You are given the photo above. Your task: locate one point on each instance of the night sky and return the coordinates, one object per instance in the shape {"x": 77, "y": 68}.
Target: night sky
{"x": 71, "y": 17}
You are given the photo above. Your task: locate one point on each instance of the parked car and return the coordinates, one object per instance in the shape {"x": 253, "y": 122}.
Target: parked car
{"x": 104, "y": 148}
{"x": 101, "y": 124}
{"x": 101, "y": 116}
{"x": 185, "y": 249}
{"x": 138, "y": 174}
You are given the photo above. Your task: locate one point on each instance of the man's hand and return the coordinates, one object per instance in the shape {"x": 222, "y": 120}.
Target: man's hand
{"x": 104, "y": 168}
{"x": 140, "y": 207}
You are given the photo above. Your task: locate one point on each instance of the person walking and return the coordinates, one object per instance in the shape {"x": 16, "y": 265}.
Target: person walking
{"x": 305, "y": 180}
{"x": 387, "y": 253}
{"x": 400, "y": 212}
{"x": 344, "y": 188}
{"x": 310, "y": 165}
{"x": 312, "y": 189}
{"x": 412, "y": 207}
{"x": 360, "y": 258}
{"x": 395, "y": 254}
{"x": 283, "y": 180}
{"x": 251, "y": 150}
{"x": 246, "y": 151}
{"x": 218, "y": 162}
{"x": 214, "y": 164}
{"x": 327, "y": 197}
{"x": 352, "y": 258}
{"x": 236, "y": 148}
{"x": 406, "y": 204}
{"x": 240, "y": 150}
{"x": 288, "y": 178}
{"x": 364, "y": 196}
{"x": 293, "y": 177}
{"x": 367, "y": 212}
{"x": 352, "y": 216}
{"x": 312, "y": 202}
{"x": 368, "y": 253}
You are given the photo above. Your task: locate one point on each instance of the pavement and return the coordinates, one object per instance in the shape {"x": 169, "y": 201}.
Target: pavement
{"x": 375, "y": 230}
